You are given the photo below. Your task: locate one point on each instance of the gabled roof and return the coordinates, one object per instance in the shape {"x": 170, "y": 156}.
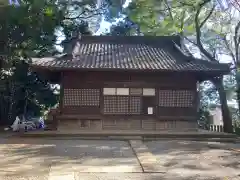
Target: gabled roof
{"x": 158, "y": 53}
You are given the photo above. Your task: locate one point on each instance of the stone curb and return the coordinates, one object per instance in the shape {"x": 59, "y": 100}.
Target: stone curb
{"x": 146, "y": 159}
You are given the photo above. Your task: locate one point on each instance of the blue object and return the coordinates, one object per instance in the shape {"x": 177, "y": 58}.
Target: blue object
{"x": 41, "y": 124}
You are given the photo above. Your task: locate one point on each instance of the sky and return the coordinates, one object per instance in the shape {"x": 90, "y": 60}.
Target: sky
{"x": 105, "y": 26}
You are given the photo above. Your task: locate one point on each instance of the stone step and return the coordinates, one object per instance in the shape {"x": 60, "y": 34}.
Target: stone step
{"x": 144, "y": 136}
{"x": 123, "y": 138}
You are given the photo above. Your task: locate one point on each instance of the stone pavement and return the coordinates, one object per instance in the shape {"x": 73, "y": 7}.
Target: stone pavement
{"x": 120, "y": 176}
{"x": 45, "y": 159}
{"x": 189, "y": 158}
{"x": 53, "y": 158}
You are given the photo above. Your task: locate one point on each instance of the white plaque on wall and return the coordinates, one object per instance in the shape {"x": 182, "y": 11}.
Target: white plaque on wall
{"x": 109, "y": 91}
{"x": 150, "y": 110}
{"x": 122, "y": 91}
{"x": 148, "y": 91}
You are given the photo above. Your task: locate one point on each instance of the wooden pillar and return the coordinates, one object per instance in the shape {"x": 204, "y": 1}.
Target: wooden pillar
{"x": 61, "y": 93}
{"x": 196, "y": 102}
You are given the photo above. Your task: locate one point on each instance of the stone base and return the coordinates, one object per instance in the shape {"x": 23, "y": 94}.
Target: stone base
{"x": 127, "y": 124}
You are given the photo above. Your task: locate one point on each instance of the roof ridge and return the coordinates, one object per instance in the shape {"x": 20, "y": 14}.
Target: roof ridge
{"x": 131, "y": 39}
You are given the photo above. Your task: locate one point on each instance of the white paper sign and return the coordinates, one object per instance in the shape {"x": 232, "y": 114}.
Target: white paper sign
{"x": 150, "y": 110}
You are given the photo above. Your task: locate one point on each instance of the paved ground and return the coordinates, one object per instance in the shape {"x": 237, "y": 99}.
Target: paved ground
{"x": 196, "y": 159}
{"x": 36, "y": 159}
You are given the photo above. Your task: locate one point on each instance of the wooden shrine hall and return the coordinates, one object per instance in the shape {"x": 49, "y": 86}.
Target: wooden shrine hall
{"x": 127, "y": 83}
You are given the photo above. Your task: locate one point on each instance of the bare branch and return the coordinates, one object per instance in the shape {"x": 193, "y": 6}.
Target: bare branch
{"x": 198, "y": 32}
{"x": 168, "y": 9}
{"x": 183, "y": 15}
{"x": 85, "y": 17}
{"x": 207, "y": 17}
{"x": 189, "y": 40}
{"x": 179, "y": 5}
{"x": 236, "y": 4}
{"x": 185, "y": 4}
{"x": 215, "y": 53}
{"x": 94, "y": 12}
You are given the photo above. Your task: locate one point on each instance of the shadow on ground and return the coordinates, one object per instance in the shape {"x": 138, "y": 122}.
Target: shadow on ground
{"x": 180, "y": 159}
{"x": 31, "y": 157}
{"x": 190, "y": 158}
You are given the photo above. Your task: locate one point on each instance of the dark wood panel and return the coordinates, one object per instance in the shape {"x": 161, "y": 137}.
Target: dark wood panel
{"x": 148, "y": 101}
{"x": 126, "y": 79}
{"x": 81, "y": 110}
{"x": 79, "y": 116}
{"x": 176, "y": 112}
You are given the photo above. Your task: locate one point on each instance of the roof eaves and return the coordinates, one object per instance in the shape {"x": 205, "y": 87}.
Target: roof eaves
{"x": 191, "y": 58}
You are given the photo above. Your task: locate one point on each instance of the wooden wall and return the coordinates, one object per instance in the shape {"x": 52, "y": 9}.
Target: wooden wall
{"x": 98, "y": 79}
{"x": 167, "y": 85}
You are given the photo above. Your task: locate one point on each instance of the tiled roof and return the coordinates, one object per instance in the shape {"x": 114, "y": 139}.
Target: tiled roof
{"x": 129, "y": 53}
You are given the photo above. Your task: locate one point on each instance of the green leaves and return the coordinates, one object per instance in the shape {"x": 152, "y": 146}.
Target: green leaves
{"x": 49, "y": 11}
{"x": 28, "y": 26}
{"x": 159, "y": 18}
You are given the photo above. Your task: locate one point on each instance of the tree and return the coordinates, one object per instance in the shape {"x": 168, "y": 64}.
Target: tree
{"x": 185, "y": 18}
{"x": 29, "y": 30}
{"x": 228, "y": 29}
{"x": 26, "y": 30}
{"x": 219, "y": 37}
{"x": 217, "y": 81}
{"x": 123, "y": 28}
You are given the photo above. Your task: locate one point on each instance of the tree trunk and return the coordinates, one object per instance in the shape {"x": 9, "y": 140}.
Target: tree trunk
{"x": 238, "y": 94}
{"x": 238, "y": 87}
{"x": 226, "y": 115}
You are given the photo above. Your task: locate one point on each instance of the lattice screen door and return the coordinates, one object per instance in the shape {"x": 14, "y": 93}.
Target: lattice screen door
{"x": 81, "y": 97}
{"x": 170, "y": 100}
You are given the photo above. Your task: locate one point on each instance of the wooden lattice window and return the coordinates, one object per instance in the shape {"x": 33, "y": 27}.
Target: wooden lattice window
{"x": 175, "y": 98}
{"x": 166, "y": 98}
{"x": 122, "y": 104}
{"x": 110, "y": 104}
{"x": 135, "y": 105}
{"x": 81, "y": 97}
{"x": 125, "y": 100}
{"x": 71, "y": 97}
{"x": 116, "y": 104}
{"x": 90, "y": 97}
